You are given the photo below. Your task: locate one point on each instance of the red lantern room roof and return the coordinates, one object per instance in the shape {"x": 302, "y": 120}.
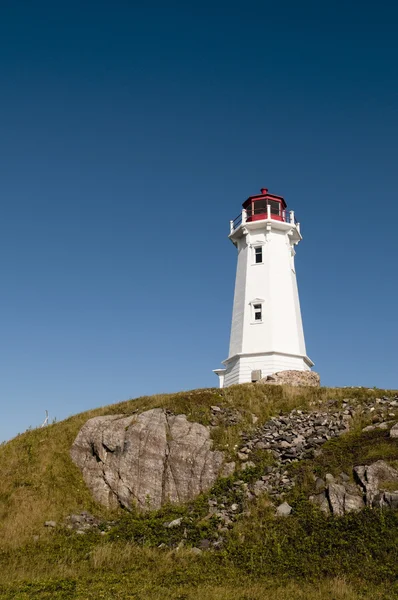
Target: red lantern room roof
{"x": 264, "y": 196}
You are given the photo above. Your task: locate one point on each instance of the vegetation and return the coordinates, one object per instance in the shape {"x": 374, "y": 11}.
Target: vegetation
{"x": 306, "y": 556}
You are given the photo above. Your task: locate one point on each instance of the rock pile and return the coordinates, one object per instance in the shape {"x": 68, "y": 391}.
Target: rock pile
{"x": 300, "y": 434}
{"x": 295, "y": 436}
{"x": 83, "y": 522}
{"x": 294, "y": 378}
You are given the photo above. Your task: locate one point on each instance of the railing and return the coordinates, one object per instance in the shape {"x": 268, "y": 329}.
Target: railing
{"x": 286, "y": 216}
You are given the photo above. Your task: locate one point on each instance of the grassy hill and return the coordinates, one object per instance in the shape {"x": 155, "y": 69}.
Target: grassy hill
{"x": 307, "y": 555}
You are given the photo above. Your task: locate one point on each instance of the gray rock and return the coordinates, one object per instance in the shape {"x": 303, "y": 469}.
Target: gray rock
{"x": 228, "y": 469}
{"x": 284, "y": 510}
{"x": 319, "y": 484}
{"x": 50, "y": 524}
{"x": 146, "y": 460}
{"x": 336, "y": 495}
{"x": 371, "y": 478}
{"x": 172, "y": 524}
{"x": 353, "y": 502}
{"x": 259, "y": 488}
{"x": 394, "y": 431}
{"x": 321, "y": 501}
{"x": 242, "y": 456}
{"x": 247, "y": 465}
{"x": 329, "y": 478}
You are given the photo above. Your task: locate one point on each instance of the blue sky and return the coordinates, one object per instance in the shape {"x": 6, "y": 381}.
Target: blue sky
{"x": 131, "y": 133}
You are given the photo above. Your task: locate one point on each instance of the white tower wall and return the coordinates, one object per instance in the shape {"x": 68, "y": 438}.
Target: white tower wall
{"x": 276, "y": 342}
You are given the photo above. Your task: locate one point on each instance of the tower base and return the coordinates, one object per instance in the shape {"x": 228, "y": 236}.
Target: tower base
{"x": 245, "y": 368}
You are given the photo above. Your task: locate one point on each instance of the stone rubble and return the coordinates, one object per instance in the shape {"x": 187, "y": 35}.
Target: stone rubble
{"x": 294, "y": 378}
{"x": 300, "y": 435}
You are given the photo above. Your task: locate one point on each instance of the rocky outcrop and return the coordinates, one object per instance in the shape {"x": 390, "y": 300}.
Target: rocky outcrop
{"x": 294, "y": 378}
{"x": 339, "y": 496}
{"x": 374, "y": 479}
{"x": 146, "y": 460}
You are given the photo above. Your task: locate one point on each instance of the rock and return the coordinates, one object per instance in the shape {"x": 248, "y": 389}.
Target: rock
{"x": 353, "y": 503}
{"x": 172, "y": 524}
{"x": 293, "y": 378}
{"x": 321, "y": 501}
{"x": 391, "y": 499}
{"x": 344, "y": 477}
{"x": 196, "y": 551}
{"x": 242, "y": 456}
{"x": 234, "y": 507}
{"x": 50, "y": 524}
{"x": 319, "y": 484}
{"x": 372, "y": 477}
{"x": 336, "y": 495}
{"x": 146, "y": 460}
{"x": 394, "y": 431}
{"x": 215, "y": 408}
{"x": 329, "y": 478}
{"x": 248, "y": 465}
{"x": 259, "y": 488}
{"x": 204, "y": 544}
{"x": 284, "y": 510}
{"x": 228, "y": 469}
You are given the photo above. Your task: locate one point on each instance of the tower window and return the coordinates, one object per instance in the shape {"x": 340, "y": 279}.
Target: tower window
{"x": 257, "y": 309}
{"x": 258, "y": 254}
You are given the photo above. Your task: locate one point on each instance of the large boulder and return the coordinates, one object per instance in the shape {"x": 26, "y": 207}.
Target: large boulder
{"x": 294, "y": 378}
{"x": 146, "y": 460}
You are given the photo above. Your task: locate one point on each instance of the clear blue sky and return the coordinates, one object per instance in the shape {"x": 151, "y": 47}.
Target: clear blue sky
{"x": 131, "y": 133}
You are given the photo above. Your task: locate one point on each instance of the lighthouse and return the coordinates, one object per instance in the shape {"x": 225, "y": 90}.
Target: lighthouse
{"x": 267, "y": 331}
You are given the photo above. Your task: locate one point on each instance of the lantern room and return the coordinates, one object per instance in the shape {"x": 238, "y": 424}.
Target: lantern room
{"x": 265, "y": 206}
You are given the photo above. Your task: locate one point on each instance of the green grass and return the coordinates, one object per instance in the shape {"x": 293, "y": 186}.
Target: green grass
{"x": 305, "y": 556}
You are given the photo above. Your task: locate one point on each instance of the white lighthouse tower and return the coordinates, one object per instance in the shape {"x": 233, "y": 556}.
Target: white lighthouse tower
{"x": 266, "y": 332}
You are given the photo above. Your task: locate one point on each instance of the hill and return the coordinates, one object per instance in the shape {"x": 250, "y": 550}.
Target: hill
{"x": 227, "y": 543}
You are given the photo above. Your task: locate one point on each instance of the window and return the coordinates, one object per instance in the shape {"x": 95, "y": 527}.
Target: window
{"x": 258, "y": 254}
{"x": 275, "y": 207}
{"x": 257, "y": 309}
{"x": 260, "y": 207}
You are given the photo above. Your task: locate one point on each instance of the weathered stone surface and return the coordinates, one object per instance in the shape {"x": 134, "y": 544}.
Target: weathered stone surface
{"x": 294, "y": 378}
{"x": 336, "y": 493}
{"x": 394, "y": 431}
{"x": 146, "y": 460}
{"x": 321, "y": 501}
{"x": 353, "y": 502}
{"x": 284, "y": 510}
{"x": 372, "y": 477}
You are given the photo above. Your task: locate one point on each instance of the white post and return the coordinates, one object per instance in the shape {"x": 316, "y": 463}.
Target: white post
{"x": 268, "y": 211}
{"x": 244, "y": 216}
{"x": 231, "y": 226}
{"x": 298, "y": 227}
{"x": 292, "y": 217}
